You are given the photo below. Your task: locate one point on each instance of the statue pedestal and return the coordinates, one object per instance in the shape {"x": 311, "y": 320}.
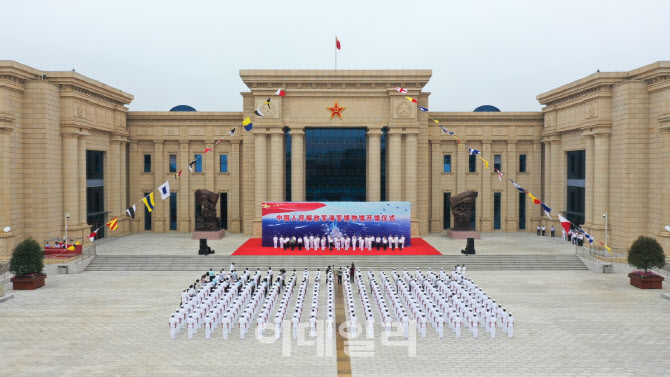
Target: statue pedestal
{"x": 463, "y": 234}
{"x": 208, "y": 234}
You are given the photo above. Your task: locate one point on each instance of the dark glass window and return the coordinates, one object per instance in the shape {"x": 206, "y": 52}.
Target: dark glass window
{"x": 522, "y": 163}
{"x": 223, "y": 203}
{"x": 446, "y": 210}
{"x": 287, "y": 134}
{"x": 147, "y": 163}
{"x": 472, "y": 162}
{"x": 497, "y": 162}
{"x": 447, "y": 163}
{"x": 335, "y": 164}
{"x": 576, "y": 195}
{"x": 94, "y": 165}
{"x": 95, "y": 191}
{"x": 496, "y": 210}
{"x": 198, "y": 163}
{"x": 173, "y": 163}
{"x": 173, "y": 211}
{"x": 223, "y": 160}
{"x": 522, "y": 211}
{"x": 383, "y": 164}
{"x": 147, "y": 215}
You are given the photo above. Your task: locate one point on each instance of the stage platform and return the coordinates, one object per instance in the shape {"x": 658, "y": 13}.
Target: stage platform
{"x": 253, "y": 247}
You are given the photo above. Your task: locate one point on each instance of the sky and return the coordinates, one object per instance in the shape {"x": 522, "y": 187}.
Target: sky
{"x": 501, "y": 53}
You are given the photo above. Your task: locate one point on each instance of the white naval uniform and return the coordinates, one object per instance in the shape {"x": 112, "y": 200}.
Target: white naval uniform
{"x": 173, "y": 327}
{"x": 275, "y": 239}
{"x": 510, "y": 326}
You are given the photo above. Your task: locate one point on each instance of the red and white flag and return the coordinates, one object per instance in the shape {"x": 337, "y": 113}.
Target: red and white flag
{"x": 564, "y": 223}
{"x": 337, "y": 43}
{"x": 500, "y": 174}
{"x": 92, "y": 236}
{"x": 400, "y": 90}
{"x": 280, "y": 93}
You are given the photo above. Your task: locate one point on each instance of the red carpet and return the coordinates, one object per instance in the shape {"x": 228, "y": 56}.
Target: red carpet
{"x": 253, "y": 247}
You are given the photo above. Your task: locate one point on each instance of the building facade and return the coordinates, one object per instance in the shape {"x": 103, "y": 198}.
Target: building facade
{"x": 601, "y": 145}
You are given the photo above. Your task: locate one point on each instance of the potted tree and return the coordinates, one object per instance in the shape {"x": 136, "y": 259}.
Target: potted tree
{"x": 27, "y": 264}
{"x": 646, "y": 253}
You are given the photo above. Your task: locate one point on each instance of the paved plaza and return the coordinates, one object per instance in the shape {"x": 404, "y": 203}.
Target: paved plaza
{"x": 116, "y": 323}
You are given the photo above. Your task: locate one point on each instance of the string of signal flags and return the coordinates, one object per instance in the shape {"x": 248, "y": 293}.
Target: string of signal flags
{"x": 565, "y": 223}
{"x": 149, "y": 200}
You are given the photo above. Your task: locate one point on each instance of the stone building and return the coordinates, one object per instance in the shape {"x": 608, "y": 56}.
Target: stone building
{"x": 601, "y": 145}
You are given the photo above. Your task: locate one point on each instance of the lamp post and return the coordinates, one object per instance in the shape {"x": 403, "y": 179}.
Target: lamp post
{"x": 606, "y": 234}
{"x": 67, "y": 216}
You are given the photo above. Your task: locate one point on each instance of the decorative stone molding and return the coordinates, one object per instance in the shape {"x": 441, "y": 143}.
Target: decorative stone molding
{"x": 196, "y": 131}
{"x": 592, "y": 110}
{"x": 500, "y": 131}
{"x": 403, "y": 110}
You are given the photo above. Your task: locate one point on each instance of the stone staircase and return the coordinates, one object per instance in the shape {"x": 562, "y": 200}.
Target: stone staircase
{"x": 217, "y": 262}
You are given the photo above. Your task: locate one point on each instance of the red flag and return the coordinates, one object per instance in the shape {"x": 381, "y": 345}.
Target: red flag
{"x": 564, "y": 223}
{"x": 280, "y": 93}
{"x": 207, "y": 150}
{"x": 337, "y": 43}
{"x": 92, "y": 236}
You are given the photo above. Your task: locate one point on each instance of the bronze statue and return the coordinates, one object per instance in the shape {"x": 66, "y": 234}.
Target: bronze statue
{"x": 461, "y": 207}
{"x": 207, "y": 219}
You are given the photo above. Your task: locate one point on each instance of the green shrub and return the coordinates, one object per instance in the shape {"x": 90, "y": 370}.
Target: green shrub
{"x": 27, "y": 258}
{"x": 646, "y": 253}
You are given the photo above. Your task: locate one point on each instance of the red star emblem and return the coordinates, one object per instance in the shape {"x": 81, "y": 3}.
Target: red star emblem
{"x": 335, "y": 110}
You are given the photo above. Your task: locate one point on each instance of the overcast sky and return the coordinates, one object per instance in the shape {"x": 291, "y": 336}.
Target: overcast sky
{"x": 168, "y": 53}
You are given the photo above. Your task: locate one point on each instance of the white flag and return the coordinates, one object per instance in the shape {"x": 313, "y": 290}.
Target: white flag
{"x": 164, "y": 189}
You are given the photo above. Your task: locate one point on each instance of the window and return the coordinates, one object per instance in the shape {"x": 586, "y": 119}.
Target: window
{"x": 522, "y": 211}
{"x": 447, "y": 163}
{"x": 198, "y": 163}
{"x": 473, "y": 163}
{"x": 173, "y": 163}
{"x": 497, "y": 162}
{"x": 522, "y": 163}
{"x": 446, "y": 210}
{"x": 496, "y": 210}
{"x": 147, "y": 163}
{"x": 147, "y": 215}
{"x": 173, "y": 211}
{"x": 223, "y": 159}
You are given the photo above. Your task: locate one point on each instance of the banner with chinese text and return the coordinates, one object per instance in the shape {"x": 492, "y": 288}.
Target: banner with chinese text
{"x": 337, "y": 219}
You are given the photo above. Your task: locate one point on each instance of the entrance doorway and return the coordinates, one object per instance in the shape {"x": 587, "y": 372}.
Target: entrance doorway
{"x": 223, "y": 200}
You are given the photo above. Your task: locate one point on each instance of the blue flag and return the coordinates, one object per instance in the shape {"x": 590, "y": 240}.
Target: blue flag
{"x": 422, "y": 109}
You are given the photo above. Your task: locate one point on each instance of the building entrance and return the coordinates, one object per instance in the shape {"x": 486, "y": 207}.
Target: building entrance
{"x": 335, "y": 164}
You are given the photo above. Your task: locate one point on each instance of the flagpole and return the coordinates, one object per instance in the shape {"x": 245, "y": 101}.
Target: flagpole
{"x": 336, "y": 52}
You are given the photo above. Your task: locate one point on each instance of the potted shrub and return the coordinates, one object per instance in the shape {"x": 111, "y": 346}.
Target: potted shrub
{"x": 27, "y": 264}
{"x": 646, "y": 253}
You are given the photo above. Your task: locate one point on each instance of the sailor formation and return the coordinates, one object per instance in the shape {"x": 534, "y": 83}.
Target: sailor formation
{"x": 312, "y": 242}
{"x": 402, "y": 301}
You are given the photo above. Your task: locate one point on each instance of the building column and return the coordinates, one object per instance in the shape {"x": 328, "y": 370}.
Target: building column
{"x": 81, "y": 155}
{"x": 6, "y": 239}
{"x": 512, "y": 220}
{"x": 536, "y": 171}
{"x": 663, "y": 236}
{"x": 277, "y": 168}
{"x": 486, "y": 214}
{"x": 234, "y": 200}
{"x": 185, "y": 207}
{"x": 158, "y": 214}
{"x": 558, "y": 185}
{"x": 394, "y": 155}
{"x": 411, "y": 179}
{"x": 461, "y": 169}
{"x": 588, "y": 181}
{"x": 71, "y": 177}
{"x": 261, "y": 181}
{"x": 133, "y": 188}
{"x": 374, "y": 160}
{"x": 209, "y": 167}
{"x": 547, "y": 174}
{"x": 124, "y": 225}
{"x": 437, "y": 161}
{"x": 601, "y": 180}
{"x": 297, "y": 164}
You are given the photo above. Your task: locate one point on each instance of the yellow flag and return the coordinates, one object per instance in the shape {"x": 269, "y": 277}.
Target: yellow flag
{"x": 436, "y": 121}
{"x": 71, "y": 248}
{"x": 246, "y": 121}
{"x": 486, "y": 163}
{"x": 77, "y": 243}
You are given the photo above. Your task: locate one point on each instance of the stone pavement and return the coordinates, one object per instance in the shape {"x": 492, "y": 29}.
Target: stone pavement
{"x": 115, "y": 323}
{"x": 182, "y": 244}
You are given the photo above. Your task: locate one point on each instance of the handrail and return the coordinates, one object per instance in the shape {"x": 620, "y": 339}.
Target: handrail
{"x": 601, "y": 256}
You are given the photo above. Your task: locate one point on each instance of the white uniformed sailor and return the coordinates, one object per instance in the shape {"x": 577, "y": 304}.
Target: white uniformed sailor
{"x": 275, "y": 239}
{"x": 173, "y": 326}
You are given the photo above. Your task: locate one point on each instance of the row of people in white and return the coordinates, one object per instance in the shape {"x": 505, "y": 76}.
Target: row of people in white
{"x": 283, "y": 306}
{"x": 302, "y": 291}
{"x": 365, "y": 302}
{"x": 339, "y": 243}
{"x": 330, "y": 312}
{"x": 350, "y": 308}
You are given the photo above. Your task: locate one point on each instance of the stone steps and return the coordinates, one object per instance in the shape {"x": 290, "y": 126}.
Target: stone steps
{"x": 217, "y": 262}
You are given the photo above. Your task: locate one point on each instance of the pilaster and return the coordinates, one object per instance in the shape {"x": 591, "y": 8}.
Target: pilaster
{"x": 277, "y": 169}
{"x": 374, "y": 165}
{"x": 82, "y": 186}
{"x": 589, "y": 179}
{"x": 486, "y": 215}
{"x": 133, "y": 188}
{"x": 461, "y": 169}
{"x": 71, "y": 175}
{"x": 558, "y": 185}
{"x": 158, "y": 213}
{"x": 260, "y": 140}
{"x": 394, "y": 155}
{"x": 297, "y": 164}
{"x": 411, "y": 178}
{"x": 437, "y": 161}
{"x": 234, "y": 200}
{"x": 512, "y": 218}
{"x": 185, "y": 195}
{"x": 601, "y": 184}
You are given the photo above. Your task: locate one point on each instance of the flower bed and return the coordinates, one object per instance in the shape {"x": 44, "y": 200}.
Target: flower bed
{"x": 646, "y": 280}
